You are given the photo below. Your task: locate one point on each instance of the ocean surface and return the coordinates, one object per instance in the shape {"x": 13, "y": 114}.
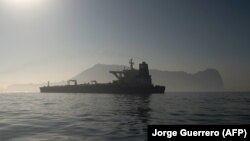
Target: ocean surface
{"x": 112, "y": 117}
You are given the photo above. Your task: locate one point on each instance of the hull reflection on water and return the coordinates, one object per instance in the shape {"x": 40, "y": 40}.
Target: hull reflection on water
{"x": 111, "y": 117}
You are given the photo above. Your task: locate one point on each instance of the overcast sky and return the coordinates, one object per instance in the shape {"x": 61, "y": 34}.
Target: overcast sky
{"x": 56, "y": 39}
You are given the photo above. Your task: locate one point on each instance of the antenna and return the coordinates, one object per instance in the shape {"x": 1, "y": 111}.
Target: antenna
{"x": 139, "y": 58}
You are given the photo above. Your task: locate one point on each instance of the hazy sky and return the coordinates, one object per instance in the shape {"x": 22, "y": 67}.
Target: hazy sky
{"x": 43, "y": 40}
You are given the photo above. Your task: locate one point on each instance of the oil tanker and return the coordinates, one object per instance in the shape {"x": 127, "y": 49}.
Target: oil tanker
{"x": 129, "y": 81}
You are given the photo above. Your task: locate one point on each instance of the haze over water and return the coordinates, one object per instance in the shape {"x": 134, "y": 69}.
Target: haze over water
{"x": 53, "y": 40}
{"x": 111, "y": 117}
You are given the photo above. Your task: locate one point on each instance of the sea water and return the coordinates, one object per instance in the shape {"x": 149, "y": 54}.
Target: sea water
{"x": 111, "y": 117}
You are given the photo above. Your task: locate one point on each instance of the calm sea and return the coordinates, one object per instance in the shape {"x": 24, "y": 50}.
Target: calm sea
{"x": 111, "y": 117}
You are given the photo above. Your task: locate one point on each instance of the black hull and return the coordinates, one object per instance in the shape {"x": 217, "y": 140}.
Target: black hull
{"x": 102, "y": 89}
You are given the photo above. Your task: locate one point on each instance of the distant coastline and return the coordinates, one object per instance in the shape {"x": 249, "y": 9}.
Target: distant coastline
{"x": 208, "y": 80}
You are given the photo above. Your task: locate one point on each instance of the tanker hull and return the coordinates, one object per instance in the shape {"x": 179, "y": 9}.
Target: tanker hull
{"x": 102, "y": 89}
{"x": 130, "y": 81}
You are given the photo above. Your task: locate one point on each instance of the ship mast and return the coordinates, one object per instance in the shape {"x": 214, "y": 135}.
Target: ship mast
{"x": 120, "y": 74}
{"x": 131, "y": 64}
